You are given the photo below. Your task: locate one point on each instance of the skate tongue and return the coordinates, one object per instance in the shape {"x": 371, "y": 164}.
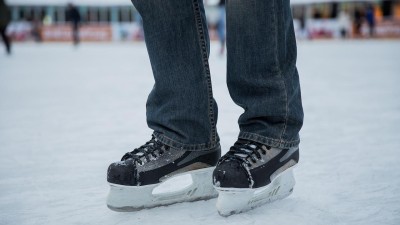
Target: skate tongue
{"x": 146, "y": 150}
{"x": 253, "y": 147}
{"x": 142, "y": 151}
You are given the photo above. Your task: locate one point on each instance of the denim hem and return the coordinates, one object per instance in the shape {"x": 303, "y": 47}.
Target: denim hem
{"x": 269, "y": 141}
{"x": 186, "y": 147}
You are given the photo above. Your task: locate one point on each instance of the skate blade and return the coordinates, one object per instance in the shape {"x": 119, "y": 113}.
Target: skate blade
{"x": 237, "y": 200}
{"x": 123, "y": 198}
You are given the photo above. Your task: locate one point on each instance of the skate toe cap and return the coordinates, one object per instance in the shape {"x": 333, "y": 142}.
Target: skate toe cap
{"x": 122, "y": 172}
{"x": 231, "y": 174}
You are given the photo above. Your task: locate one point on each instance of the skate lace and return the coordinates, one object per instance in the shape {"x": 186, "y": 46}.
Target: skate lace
{"x": 246, "y": 151}
{"x": 145, "y": 151}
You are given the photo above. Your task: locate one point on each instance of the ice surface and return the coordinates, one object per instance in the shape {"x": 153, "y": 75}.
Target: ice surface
{"x": 66, "y": 113}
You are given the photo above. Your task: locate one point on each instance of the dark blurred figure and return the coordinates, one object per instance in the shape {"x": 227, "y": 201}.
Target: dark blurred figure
{"x": 303, "y": 34}
{"x": 370, "y": 17}
{"x": 386, "y": 7}
{"x": 221, "y": 25}
{"x": 317, "y": 14}
{"x": 4, "y": 21}
{"x": 334, "y": 10}
{"x": 74, "y": 17}
{"x": 358, "y": 19}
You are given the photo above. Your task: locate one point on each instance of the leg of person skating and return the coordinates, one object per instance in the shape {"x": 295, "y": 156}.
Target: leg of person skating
{"x": 180, "y": 109}
{"x": 263, "y": 79}
{"x": 75, "y": 33}
{"x": 5, "y": 38}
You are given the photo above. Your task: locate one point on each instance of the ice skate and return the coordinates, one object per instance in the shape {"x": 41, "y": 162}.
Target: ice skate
{"x": 136, "y": 180}
{"x": 252, "y": 174}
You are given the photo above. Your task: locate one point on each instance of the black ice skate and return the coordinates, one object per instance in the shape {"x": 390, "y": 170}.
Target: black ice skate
{"x": 252, "y": 174}
{"x": 133, "y": 180}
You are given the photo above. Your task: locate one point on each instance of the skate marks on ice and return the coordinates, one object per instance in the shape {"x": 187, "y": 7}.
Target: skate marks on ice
{"x": 204, "y": 212}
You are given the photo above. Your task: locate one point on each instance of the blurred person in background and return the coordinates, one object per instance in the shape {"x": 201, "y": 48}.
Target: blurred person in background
{"x": 5, "y": 18}
{"x": 370, "y": 17}
{"x": 344, "y": 24}
{"x": 358, "y": 21}
{"x": 74, "y": 17}
{"x": 36, "y": 29}
{"x": 303, "y": 31}
{"x": 221, "y": 25}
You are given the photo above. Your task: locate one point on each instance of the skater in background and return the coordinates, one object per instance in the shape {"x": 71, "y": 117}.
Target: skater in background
{"x": 303, "y": 32}
{"x": 358, "y": 20}
{"x": 370, "y": 17}
{"x": 36, "y": 29}
{"x": 74, "y": 17}
{"x": 262, "y": 78}
{"x": 221, "y": 26}
{"x": 5, "y": 18}
{"x": 344, "y": 22}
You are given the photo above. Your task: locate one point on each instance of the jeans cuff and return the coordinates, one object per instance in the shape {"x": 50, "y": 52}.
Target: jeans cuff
{"x": 276, "y": 143}
{"x": 186, "y": 147}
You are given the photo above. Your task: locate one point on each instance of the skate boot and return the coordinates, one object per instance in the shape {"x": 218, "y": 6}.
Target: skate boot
{"x": 252, "y": 174}
{"x": 136, "y": 179}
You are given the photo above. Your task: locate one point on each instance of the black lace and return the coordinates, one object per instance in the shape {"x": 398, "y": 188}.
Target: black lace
{"x": 145, "y": 151}
{"x": 246, "y": 151}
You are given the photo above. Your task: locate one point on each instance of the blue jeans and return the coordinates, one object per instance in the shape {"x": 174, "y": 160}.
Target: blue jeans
{"x": 262, "y": 77}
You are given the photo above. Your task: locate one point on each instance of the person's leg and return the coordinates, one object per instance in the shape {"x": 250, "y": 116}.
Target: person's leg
{"x": 263, "y": 79}
{"x": 75, "y": 33}
{"x": 5, "y": 38}
{"x": 262, "y": 74}
{"x": 180, "y": 109}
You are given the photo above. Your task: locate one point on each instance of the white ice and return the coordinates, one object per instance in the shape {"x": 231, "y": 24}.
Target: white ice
{"x": 66, "y": 113}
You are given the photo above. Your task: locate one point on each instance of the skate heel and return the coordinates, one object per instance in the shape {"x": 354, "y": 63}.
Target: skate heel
{"x": 134, "y": 198}
{"x": 236, "y": 200}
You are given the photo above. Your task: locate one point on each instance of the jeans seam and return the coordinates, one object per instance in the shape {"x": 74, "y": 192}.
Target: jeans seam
{"x": 279, "y": 143}
{"x": 279, "y": 70}
{"x": 188, "y": 147}
{"x": 204, "y": 53}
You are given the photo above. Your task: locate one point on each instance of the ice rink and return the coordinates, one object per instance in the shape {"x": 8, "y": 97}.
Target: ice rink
{"x": 66, "y": 113}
